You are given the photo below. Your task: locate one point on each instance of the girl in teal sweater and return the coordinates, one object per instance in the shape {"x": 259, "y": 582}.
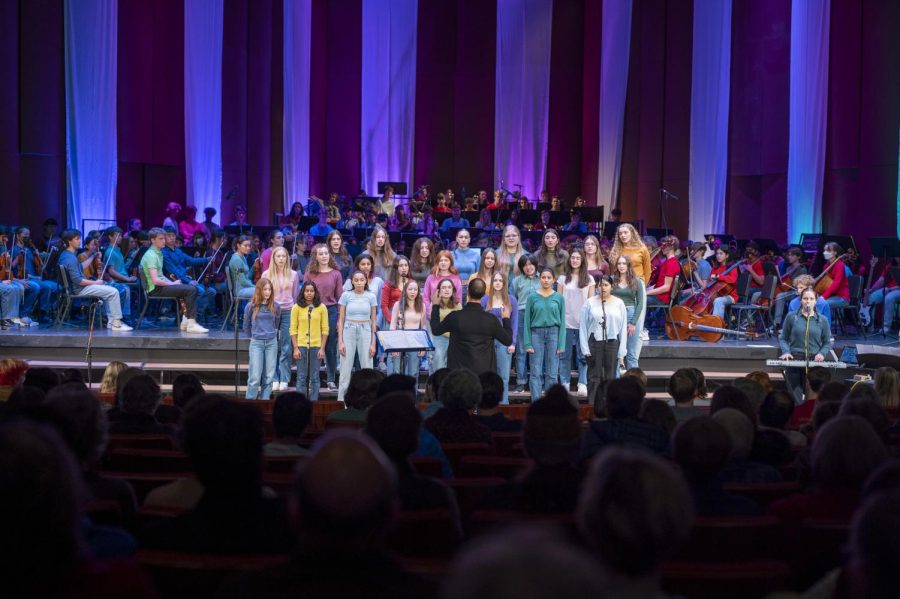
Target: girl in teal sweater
{"x": 544, "y": 332}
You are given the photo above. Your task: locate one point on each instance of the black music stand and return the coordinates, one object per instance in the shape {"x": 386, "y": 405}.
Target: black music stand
{"x": 399, "y": 187}
{"x": 885, "y": 247}
{"x": 560, "y": 218}
{"x": 403, "y": 341}
{"x": 590, "y": 214}
{"x": 529, "y": 217}
{"x": 658, "y": 232}
{"x": 767, "y": 246}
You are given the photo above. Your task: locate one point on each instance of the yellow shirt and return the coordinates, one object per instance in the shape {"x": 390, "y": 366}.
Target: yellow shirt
{"x": 640, "y": 262}
{"x": 301, "y": 323}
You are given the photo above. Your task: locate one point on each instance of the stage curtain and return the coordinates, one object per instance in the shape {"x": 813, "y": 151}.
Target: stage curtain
{"x": 521, "y": 109}
{"x": 388, "y": 91}
{"x": 615, "y": 44}
{"x": 203, "y": 102}
{"x": 808, "y": 116}
{"x": 297, "y": 44}
{"x": 710, "y": 85}
{"x": 91, "y": 30}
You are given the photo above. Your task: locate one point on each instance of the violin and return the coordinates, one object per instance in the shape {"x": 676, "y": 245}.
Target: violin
{"x": 701, "y": 301}
{"x": 5, "y": 267}
{"x": 92, "y": 267}
{"x": 824, "y": 280}
{"x": 682, "y": 324}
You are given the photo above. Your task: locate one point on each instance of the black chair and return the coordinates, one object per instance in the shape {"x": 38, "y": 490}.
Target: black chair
{"x": 855, "y": 283}
{"x": 66, "y": 300}
{"x": 674, "y": 296}
{"x": 147, "y": 299}
{"x": 763, "y": 312}
{"x": 234, "y": 302}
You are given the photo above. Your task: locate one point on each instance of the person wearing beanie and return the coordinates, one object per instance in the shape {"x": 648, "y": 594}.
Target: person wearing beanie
{"x": 551, "y": 437}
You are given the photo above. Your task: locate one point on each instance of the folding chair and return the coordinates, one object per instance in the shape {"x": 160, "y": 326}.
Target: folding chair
{"x": 855, "y": 283}
{"x": 763, "y": 312}
{"x": 147, "y": 298}
{"x": 66, "y": 300}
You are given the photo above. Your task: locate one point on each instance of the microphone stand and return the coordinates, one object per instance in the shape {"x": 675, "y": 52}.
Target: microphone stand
{"x": 237, "y": 371}
{"x": 603, "y": 344}
{"x": 89, "y": 354}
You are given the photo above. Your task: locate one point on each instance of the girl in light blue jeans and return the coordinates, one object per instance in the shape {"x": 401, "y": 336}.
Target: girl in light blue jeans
{"x": 356, "y": 328}
{"x": 630, "y": 289}
{"x": 445, "y": 298}
{"x": 262, "y": 320}
{"x": 496, "y": 299}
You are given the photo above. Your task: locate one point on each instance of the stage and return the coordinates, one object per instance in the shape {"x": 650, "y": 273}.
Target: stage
{"x": 166, "y": 352}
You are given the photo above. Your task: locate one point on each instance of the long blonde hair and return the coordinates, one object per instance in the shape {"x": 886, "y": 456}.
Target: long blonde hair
{"x": 508, "y": 265}
{"x": 111, "y": 375}
{"x": 887, "y": 385}
{"x": 281, "y": 281}
{"x": 635, "y": 244}
{"x": 258, "y": 300}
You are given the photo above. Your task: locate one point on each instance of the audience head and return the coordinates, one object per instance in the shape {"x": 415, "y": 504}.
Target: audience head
{"x": 868, "y": 407}
{"x": 25, "y": 401}
{"x": 825, "y": 411}
{"x": 12, "y": 371}
{"x": 141, "y": 395}
{"x": 623, "y": 398}
{"x": 433, "y": 384}
{"x": 186, "y": 387}
{"x": 124, "y": 377}
{"x": 110, "y": 375}
{"x": 633, "y": 511}
{"x": 507, "y": 567}
{"x": 363, "y": 388}
{"x": 291, "y": 414}
{"x": 40, "y": 491}
{"x": 776, "y": 410}
{"x": 491, "y": 390}
{"x": 71, "y": 375}
{"x": 702, "y": 389}
{"x": 845, "y": 452}
{"x": 41, "y": 377}
{"x": 739, "y": 429}
{"x": 729, "y": 396}
{"x": 80, "y": 420}
{"x": 874, "y": 556}
{"x": 887, "y": 385}
{"x": 682, "y": 386}
{"x": 552, "y": 431}
{"x": 884, "y": 479}
{"x": 658, "y": 412}
{"x": 702, "y": 447}
{"x": 816, "y": 378}
{"x": 461, "y": 390}
{"x": 640, "y": 376}
{"x": 397, "y": 383}
{"x": 345, "y": 494}
{"x": 753, "y": 390}
{"x": 394, "y": 422}
{"x": 223, "y": 440}
{"x": 762, "y": 378}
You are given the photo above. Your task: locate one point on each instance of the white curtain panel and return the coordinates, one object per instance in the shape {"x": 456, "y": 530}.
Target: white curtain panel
{"x": 203, "y": 102}
{"x": 91, "y": 30}
{"x": 297, "y": 45}
{"x": 710, "y": 86}
{"x": 807, "y": 116}
{"x": 615, "y": 45}
{"x": 521, "y": 110}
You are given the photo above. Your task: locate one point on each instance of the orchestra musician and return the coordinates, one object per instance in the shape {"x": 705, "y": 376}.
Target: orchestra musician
{"x": 837, "y": 294}
{"x": 160, "y": 286}
{"x": 721, "y": 272}
{"x": 176, "y": 264}
{"x": 885, "y": 291}
{"x": 752, "y": 265}
{"x": 669, "y": 268}
{"x": 806, "y": 336}
{"x": 28, "y": 265}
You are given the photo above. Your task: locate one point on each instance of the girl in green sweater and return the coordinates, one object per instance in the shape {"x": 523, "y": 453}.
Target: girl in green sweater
{"x": 545, "y": 320}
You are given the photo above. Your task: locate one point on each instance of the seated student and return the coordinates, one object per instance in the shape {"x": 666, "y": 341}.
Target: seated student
{"x": 137, "y": 406}
{"x": 223, "y": 440}
{"x": 29, "y": 289}
{"x": 11, "y": 297}
{"x": 26, "y": 259}
{"x": 160, "y": 286}
{"x": 682, "y": 388}
{"x": 239, "y": 268}
{"x": 322, "y": 228}
{"x": 291, "y": 415}
{"x": 81, "y": 286}
{"x": 176, "y": 265}
{"x": 489, "y": 413}
{"x": 701, "y": 446}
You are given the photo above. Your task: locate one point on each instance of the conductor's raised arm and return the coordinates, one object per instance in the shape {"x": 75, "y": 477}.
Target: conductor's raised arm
{"x": 437, "y": 327}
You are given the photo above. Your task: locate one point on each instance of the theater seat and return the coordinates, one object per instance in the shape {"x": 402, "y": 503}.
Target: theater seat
{"x": 474, "y": 466}
{"x": 193, "y": 576}
{"x": 818, "y": 548}
{"x": 487, "y": 521}
{"x": 424, "y": 533}
{"x": 733, "y": 539}
{"x": 505, "y": 442}
{"x": 282, "y": 465}
{"x": 718, "y": 580}
{"x": 457, "y": 451}
{"x": 139, "y": 442}
{"x": 144, "y": 482}
{"x": 147, "y": 460}
{"x": 764, "y": 493}
{"x": 471, "y": 491}
{"x": 427, "y": 466}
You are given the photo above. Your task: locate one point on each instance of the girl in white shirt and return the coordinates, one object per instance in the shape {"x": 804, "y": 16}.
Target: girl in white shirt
{"x": 576, "y": 286}
{"x": 603, "y": 336}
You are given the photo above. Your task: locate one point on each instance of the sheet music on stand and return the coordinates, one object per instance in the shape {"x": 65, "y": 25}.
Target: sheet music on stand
{"x": 403, "y": 340}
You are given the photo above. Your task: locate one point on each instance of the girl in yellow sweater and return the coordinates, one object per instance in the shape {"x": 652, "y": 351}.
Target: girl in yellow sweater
{"x": 628, "y": 243}
{"x": 309, "y": 331}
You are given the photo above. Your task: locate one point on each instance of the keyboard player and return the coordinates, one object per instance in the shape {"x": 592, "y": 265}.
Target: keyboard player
{"x": 806, "y": 336}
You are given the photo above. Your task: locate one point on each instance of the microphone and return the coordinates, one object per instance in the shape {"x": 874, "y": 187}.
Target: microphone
{"x": 668, "y": 194}
{"x": 310, "y": 310}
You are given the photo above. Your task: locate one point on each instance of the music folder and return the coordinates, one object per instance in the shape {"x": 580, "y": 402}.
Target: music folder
{"x": 404, "y": 340}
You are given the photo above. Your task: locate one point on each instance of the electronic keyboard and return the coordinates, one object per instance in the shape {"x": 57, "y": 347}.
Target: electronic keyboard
{"x": 804, "y": 364}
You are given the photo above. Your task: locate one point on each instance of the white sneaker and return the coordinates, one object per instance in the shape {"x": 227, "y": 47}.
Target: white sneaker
{"x": 185, "y": 323}
{"x": 193, "y": 327}
{"x": 279, "y": 386}
{"x": 118, "y": 325}
{"x": 27, "y": 322}
{"x": 645, "y": 335}
{"x": 582, "y": 390}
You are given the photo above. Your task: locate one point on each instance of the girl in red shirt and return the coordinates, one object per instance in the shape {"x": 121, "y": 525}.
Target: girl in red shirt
{"x": 721, "y": 272}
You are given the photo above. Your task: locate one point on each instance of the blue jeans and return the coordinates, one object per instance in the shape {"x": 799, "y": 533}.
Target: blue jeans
{"x": 10, "y": 298}
{"x": 545, "y": 360}
{"x": 439, "y": 355}
{"x": 889, "y": 301}
{"x": 521, "y": 354}
{"x": 314, "y": 365}
{"x": 262, "y": 368}
{"x": 565, "y": 360}
{"x": 410, "y": 360}
{"x": 719, "y": 305}
{"x": 331, "y": 352}
{"x": 504, "y": 361}
{"x": 634, "y": 343}
{"x": 49, "y": 289}
{"x": 285, "y": 350}
{"x": 357, "y": 341}
{"x": 32, "y": 292}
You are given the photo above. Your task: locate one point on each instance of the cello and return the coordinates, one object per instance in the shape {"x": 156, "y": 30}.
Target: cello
{"x": 682, "y": 324}
{"x": 701, "y": 301}
{"x": 824, "y": 280}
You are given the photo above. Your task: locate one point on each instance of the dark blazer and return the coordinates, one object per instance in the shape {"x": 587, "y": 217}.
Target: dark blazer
{"x": 472, "y": 334}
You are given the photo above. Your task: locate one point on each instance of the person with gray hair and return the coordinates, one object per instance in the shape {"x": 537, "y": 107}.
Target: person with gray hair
{"x": 740, "y": 468}
{"x": 634, "y": 510}
{"x": 459, "y": 393}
